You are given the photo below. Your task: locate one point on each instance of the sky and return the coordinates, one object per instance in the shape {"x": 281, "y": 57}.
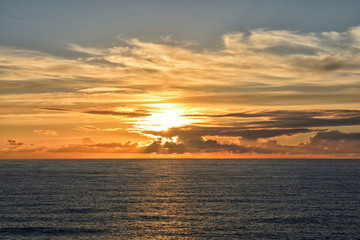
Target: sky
{"x": 180, "y": 79}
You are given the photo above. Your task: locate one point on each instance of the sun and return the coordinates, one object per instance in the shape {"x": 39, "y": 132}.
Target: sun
{"x": 162, "y": 121}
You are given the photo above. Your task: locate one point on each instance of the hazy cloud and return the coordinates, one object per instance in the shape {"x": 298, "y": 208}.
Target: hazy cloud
{"x": 105, "y": 89}
{"x": 123, "y": 114}
{"x": 87, "y": 140}
{"x": 88, "y": 146}
{"x": 46, "y": 132}
{"x": 271, "y": 99}
{"x": 135, "y": 114}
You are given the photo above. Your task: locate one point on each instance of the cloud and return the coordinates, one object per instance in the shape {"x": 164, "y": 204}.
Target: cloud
{"x": 87, "y": 50}
{"x": 271, "y": 99}
{"x": 335, "y": 142}
{"x": 249, "y": 88}
{"x": 134, "y": 114}
{"x": 286, "y": 119}
{"x": 244, "y": 56}
{"x": 194, "y": 139}
{"x": 326, "y": 63}
{"x": 13, "y": 142}
{"x": 196, "y": 132}
{"x": 123, "y": 114}
{"x": 324, "y": 142}
{"x": 56, "y": 109}
{"x": 105, "y": 89}
{"x": 93, "y": 128}
{"x": 88, "y": 146}
{"x": 87, "y": 140}
{"x": 263, "y": 68}
{"x": 297, "y": 118}
{"x": 86, "y": 128}
{"x": 255, "y": 130}
{"x": 45, "y": 132}
{"x": 303, "y": 43}
{"x": 247, "y": 132}
{"x": 194, "y": 146}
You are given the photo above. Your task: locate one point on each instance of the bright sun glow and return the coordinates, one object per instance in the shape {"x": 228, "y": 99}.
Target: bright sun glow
{"x": 162, "y": 121}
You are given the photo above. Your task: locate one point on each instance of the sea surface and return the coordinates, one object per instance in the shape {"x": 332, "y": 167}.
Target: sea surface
{"x": 180, "y": 199}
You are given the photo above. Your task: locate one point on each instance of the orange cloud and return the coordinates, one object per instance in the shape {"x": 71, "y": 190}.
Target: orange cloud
{"x": 45, "y": 132}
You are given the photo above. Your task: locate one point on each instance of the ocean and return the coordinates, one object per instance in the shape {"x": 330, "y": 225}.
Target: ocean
{"x": 180, "y": 199}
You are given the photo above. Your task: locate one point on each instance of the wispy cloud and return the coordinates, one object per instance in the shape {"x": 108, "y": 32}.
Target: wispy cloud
{"x": 123, "y": 114}
{"x": 263, "y": 56}
{"x": 258, "y": 86}
{"x": 105, "y": 89}
{"x": 135, "y": 114}
{"x": 46, "y": 132}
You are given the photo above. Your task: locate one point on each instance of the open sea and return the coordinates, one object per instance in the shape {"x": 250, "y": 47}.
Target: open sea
{"x": 180, "y": 199}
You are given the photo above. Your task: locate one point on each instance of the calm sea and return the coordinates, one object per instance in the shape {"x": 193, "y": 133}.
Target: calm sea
{"x": 180, "y": 199}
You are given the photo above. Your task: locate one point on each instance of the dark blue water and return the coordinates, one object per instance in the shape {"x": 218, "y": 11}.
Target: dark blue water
{"x": 186, "y": 199}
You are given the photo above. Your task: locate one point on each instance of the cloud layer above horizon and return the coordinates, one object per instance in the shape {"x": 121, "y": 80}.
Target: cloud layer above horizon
{"x": 263, "y": 92}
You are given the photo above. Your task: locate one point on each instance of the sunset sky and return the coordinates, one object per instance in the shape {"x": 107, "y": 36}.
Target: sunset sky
{"x": 123, "y": 79}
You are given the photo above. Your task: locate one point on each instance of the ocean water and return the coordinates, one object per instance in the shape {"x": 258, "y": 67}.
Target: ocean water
{"x": 180, "y": 199}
